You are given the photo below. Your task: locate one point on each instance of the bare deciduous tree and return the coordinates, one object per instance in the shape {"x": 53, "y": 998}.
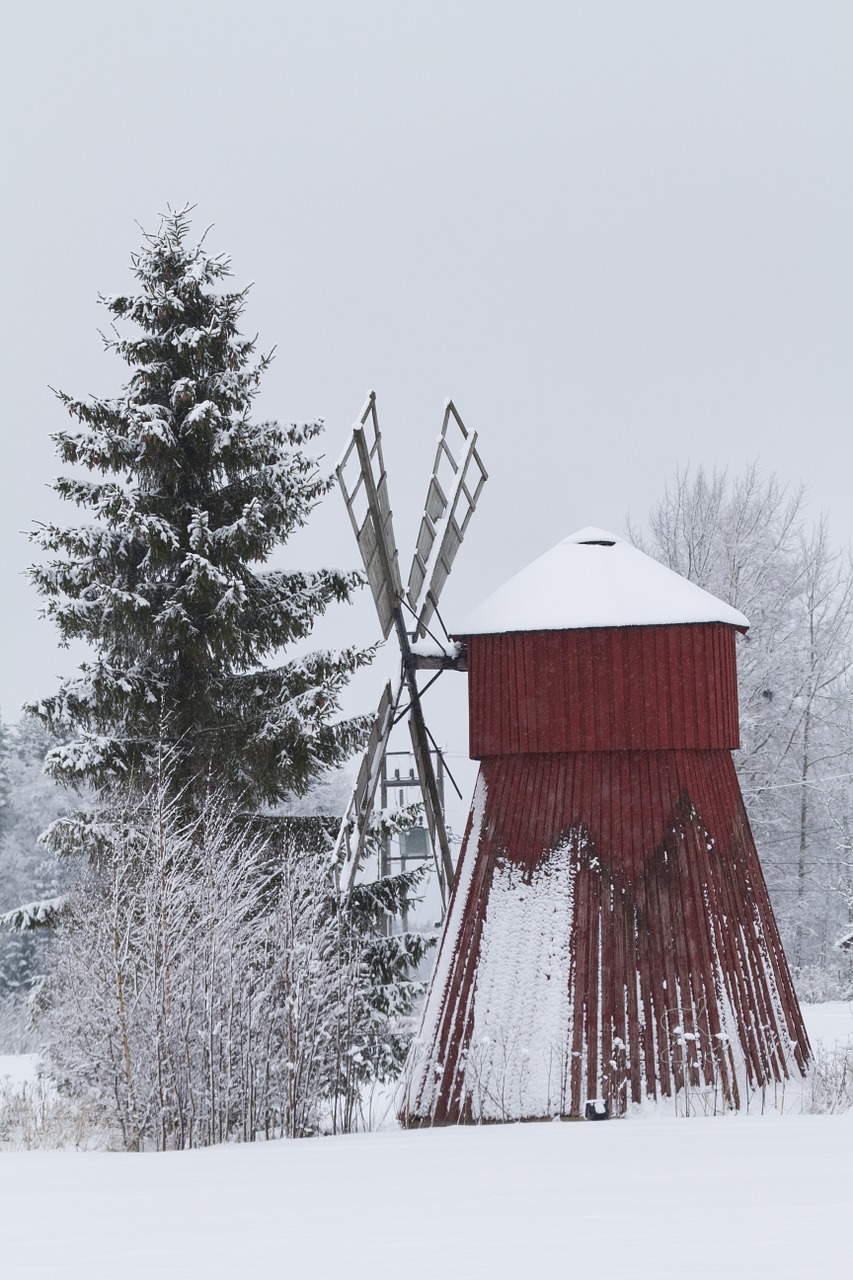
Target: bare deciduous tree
{"x": 747, "y": 539}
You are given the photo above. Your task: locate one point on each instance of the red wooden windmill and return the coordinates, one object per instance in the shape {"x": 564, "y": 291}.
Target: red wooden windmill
{"x": 609, "y": 935}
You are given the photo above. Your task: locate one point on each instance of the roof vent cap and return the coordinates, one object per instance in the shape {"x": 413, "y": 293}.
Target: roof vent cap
{"x": 591, "y": 537}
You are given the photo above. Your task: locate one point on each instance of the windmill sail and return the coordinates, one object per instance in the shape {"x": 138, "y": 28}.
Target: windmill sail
{"x": 354, "y": 827}
{"x": 457, "y": 480}
{"x": 432, "y": 806}
{"x": 365, "y": 492}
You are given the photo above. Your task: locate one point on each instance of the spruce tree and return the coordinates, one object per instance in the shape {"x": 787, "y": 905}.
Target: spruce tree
{"x": 167, "y": 585}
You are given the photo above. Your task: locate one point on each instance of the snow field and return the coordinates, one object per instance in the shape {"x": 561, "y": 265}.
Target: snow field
{"x": 17, "y": 1069}
{"x": 830, "y": 1023}
{"x": 652, "y": 1198}
{"x": 756, "y": 1197}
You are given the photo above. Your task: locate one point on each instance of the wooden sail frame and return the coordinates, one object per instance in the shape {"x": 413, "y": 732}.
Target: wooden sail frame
{"x": 456, "y": 483}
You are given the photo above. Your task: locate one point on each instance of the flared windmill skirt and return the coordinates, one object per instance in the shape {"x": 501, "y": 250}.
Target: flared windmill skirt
{"x": 609, "y": 937}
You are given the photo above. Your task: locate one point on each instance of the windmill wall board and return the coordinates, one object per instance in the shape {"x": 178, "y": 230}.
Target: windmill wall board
{"x": 610, "y": 934}
{"x": 603, "y": 689}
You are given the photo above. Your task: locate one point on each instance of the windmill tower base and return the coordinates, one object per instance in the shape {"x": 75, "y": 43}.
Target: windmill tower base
{"x": 609, "y": 936}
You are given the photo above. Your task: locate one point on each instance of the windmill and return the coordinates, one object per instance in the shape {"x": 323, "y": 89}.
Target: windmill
{"x": 610, "y": 937}
{"x": 454, "y": 489}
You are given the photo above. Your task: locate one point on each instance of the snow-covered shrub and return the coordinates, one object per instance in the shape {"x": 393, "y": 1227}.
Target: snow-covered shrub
{"x": 206, "y": 990}
{"x": 828, "y": 1089}
{"x": 36, "y": 1116}
{"x": 831, "y": 980}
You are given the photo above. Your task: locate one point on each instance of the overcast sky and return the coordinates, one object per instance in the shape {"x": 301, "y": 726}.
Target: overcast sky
{"x": 618, "y": 234}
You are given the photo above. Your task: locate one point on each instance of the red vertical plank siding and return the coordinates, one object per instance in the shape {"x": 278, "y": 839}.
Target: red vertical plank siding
{"x": 628, "y": 688}
{"x": 623, "y": 738}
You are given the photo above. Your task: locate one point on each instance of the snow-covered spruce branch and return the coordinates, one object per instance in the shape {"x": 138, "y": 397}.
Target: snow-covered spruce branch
{"x": 33, "y": 915}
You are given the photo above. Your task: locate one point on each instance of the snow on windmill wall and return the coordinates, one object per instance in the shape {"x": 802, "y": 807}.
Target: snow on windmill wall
{"x": 610, "y": 932}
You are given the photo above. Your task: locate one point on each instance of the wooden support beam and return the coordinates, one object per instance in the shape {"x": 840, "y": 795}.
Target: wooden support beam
{"x": 441, "y": 661}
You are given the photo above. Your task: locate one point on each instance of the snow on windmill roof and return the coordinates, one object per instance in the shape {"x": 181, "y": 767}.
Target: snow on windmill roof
{"x": 594, "y": 579}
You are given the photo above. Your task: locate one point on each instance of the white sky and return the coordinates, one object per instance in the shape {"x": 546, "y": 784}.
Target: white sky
{"x": 618, "y": 234}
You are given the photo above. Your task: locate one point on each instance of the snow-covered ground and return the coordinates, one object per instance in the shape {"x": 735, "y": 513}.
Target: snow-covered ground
{"x": 724, "y": 1198}
{"x": 18, "y": 1068}
{"x": 830, "y": 1024}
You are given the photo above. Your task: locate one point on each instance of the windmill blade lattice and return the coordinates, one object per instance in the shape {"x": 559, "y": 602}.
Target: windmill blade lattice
{"x": 366, "y": 497}
{"x": 354, "y": 827}
{"x": 457, "y": 480}
{"x": 455, "y": 486}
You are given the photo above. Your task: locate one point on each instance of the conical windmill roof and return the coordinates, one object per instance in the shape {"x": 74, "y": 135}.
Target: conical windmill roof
{"x": 594, "y": 579}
